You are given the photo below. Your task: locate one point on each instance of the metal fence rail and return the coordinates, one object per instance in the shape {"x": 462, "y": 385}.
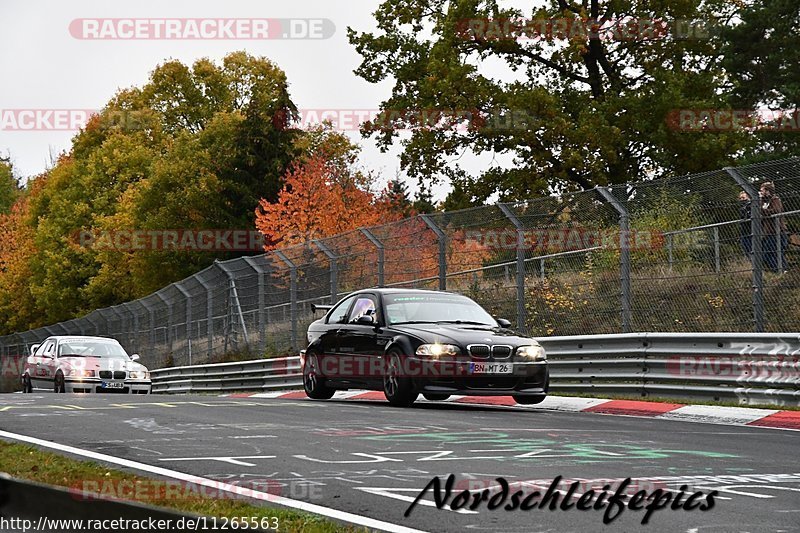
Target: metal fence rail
{"x": 748, "y": 368}
{"x": 676, "y": 254}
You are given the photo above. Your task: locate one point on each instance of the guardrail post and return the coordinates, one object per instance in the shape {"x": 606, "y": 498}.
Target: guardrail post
{"x": 262, "y": 323}
{"x": 624, "y": 255}
{"x": 233, "y": 300}
{"x": 333, "y": 260}
{"x": 756, "y": 252}
{"x": 379, "y": 245}
{"x": 441, "y": 240}
{"x": 292, "y": 294}
{"x": 521, "y": 311}
{"x": 188, "y": 296}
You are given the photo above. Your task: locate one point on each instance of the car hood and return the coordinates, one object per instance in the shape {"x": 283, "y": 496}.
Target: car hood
{"x": 463, "y": 334}
{"x": 101, "y": 363}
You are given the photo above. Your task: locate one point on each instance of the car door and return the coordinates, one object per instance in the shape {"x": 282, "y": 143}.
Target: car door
{"x": 44, "y": 361}
{"x": 357, "y": 341}
{"x": 329, "y": 340}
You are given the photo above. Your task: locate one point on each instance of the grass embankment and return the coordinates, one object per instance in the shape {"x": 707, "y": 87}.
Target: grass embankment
{"x": 29, "y": 463}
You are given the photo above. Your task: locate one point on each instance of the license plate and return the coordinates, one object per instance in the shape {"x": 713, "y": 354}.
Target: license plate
{"x": 112, "y": 385}
{"x": 491, "y": 368}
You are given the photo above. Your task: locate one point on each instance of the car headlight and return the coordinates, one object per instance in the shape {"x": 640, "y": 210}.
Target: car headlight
{"x": 437, "y": 350}
{"x": 532, "y": 352}
{"x": 79, "y": 373}
{"x": 139, "y": 374}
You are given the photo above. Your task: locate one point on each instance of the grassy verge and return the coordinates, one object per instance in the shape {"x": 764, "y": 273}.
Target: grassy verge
{"x": 30, "y": 463}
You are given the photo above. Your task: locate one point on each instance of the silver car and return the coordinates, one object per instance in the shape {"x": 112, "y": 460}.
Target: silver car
{"x": 84, "y": 364}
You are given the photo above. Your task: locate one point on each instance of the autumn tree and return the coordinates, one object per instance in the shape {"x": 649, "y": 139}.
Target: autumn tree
{"x": 555, "y": 109}
{"x": 9, "y": 187}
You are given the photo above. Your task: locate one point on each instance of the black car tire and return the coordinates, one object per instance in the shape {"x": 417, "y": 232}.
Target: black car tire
{"x": 434, "y": 397}
{"x": 27, "y": 386}
{"x": 528, "y": 400}
{"x": 399, "y": 391}
{"x": 58, "y": 383}
{"x": 313, "y": 382}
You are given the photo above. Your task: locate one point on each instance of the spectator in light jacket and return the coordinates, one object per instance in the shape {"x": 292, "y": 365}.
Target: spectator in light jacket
{"x": 771, "y": 206}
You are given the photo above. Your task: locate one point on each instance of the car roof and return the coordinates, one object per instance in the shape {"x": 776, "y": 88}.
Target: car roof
{"x": 80, "y": 338}
{"x": 384, "y": 290}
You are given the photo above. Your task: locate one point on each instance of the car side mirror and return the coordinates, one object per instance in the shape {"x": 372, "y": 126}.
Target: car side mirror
{"x": 365, "y": 320}
{"x": 503, "y": 323}
{"x": 135, "y": 357}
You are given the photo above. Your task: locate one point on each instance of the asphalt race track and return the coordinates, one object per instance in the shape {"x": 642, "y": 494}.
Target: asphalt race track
{"x": 370, "y": 459}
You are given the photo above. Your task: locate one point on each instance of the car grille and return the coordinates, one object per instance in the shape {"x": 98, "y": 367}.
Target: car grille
{"x": 482, "y": 351}
{"x": 501, "y": 351}
{"x": 117, "y": 374}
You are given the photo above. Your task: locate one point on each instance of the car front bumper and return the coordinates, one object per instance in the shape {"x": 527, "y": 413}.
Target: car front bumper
{"x": 89, "y": 385}
{"x": 528, "y": 378}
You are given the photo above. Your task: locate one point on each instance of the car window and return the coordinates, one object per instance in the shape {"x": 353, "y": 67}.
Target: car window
{"x": 365, "y": 305}
{"x": 40, "y": 350}
{"x": 48, "y": 348}
{"x": 91, "y": 348}
{"x": 339, "y": 313}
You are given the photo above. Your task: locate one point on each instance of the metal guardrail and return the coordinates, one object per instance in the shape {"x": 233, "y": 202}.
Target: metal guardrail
{"x": 259, "y": 375}
{"x": 748, "y": 368}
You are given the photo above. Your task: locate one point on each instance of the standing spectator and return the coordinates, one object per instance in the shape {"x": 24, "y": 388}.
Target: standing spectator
{"x": 771, "y": 206}
{"x": 746, "y": 230}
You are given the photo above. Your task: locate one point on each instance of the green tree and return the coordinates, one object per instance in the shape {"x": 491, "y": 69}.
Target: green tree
{"x": 570, "y": 112}
{"x": 762, "y": 54}
{"x": 9, "y": 186}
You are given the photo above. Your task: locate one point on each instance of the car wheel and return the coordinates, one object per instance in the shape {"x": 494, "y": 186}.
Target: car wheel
{"x": 27, "y": 386}
{"x": 435, "y": 397}
{"x": 528, "y": 400}
{"x": 313, "y": 382}
{"x": 399, "y": 391}
{"x": 58, "y": 383}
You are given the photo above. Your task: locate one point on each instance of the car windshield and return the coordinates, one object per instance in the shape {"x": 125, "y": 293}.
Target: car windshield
{"x": 422, "y": 308}
{"x": 90, "y": 348}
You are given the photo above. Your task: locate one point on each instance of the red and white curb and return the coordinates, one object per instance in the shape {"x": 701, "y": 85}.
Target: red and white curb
{"x": 711, "y": 414}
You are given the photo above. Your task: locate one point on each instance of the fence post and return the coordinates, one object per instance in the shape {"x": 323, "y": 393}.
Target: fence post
{"x": 669, "y": 249}
{"x": 262, "y": 323}
{"x": 234, "y": 300}
{"x": 379, "y": 245}
{"x": 209, "y": 316}
{"x": 134, "y": 329}
{"x": 756, "y": 253}
{"x": 121, "y": 321}
{"x": 624, "y": 255}
{"x": 168, "y": 336}
{"x": 333, "y": 260}
{"x": 779, "y": 243}
{"x": 521, "y": 311}
{"x": 716, "y": 249}
{"x": 441, "y": 240}
{"x": 188, "y": 296}
{"x": 292, "y": 295}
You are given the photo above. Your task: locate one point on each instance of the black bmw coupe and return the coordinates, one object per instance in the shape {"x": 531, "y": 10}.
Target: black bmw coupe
{"x": 411, "y": 342}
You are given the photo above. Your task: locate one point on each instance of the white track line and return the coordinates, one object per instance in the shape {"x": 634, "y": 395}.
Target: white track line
{"x": 233, "y": 489}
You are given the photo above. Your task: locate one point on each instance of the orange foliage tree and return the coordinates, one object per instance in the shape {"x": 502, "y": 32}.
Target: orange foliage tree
{"x": 316, "y": 202}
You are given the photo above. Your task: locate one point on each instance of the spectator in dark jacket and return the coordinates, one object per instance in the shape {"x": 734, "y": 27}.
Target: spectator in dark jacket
{"x": 745, "y": 230}
{"x": 773, "y": 227}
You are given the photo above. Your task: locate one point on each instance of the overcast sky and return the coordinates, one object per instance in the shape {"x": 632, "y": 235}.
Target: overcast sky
{"x": 45, "y": 67}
